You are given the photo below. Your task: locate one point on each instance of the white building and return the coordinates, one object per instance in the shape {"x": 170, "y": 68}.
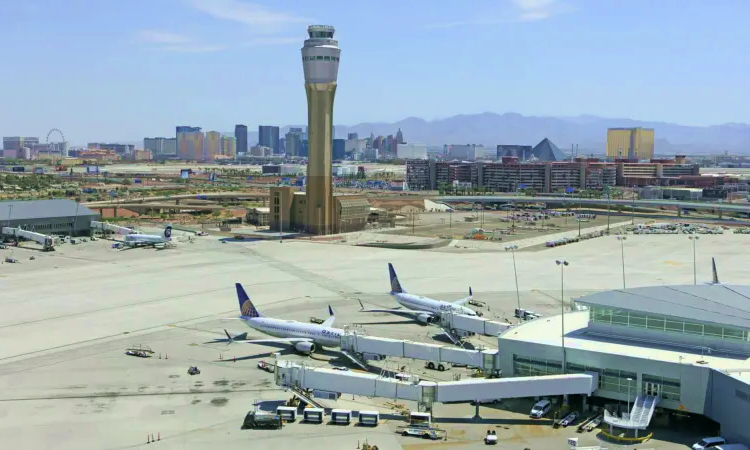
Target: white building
{"x": 412, "y": 150}
{"x": 466, "y": 152}
{"x": 160, "y": 145}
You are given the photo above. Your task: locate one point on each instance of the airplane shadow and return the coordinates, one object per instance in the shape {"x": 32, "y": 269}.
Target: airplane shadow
{"x": 391, "y": 322}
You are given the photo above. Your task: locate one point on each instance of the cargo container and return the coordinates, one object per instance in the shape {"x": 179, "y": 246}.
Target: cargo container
{"x": 368, "y": 418}
{"x": 313, "y": 415}
{"x": 341, "y": 416}
{"x": 287, "y": 413}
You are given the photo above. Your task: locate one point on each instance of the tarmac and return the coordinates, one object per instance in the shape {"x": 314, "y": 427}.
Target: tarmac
{"x": 67, "y": 317}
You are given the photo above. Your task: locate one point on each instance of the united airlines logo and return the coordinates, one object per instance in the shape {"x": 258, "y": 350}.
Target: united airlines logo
{"x": 168, "y": 232}
{"x": 248, "y": 310}
{"x": 395, "y": 285}
{"x": 331, "y": 334}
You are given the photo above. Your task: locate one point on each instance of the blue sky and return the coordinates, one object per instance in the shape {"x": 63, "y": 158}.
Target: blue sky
{"x": 124, "y": 69}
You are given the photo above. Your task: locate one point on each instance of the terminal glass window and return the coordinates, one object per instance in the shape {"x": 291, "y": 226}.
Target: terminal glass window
{"x": 623, "y": 317}
{"x": 524, "y": 366}
{"x": 580, "y": 368}
{"x": 617, "y": 380}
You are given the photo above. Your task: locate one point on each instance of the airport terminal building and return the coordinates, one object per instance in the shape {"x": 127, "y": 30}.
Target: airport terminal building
{"x": 680, "y": 348}
{"x": 59, "y": 216}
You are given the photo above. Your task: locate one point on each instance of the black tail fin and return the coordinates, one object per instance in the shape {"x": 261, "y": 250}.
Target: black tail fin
{"x": 715, "y": 273}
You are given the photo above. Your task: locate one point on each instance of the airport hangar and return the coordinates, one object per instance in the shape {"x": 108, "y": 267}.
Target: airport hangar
{"x": 686, "y": 347}
{"x": 59, "y": 216}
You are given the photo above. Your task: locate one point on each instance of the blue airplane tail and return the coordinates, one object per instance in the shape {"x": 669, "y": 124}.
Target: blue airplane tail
{"x": 395, "y": 285}
{"x": 168, "y": 231}
{"x": 247, "y": 309}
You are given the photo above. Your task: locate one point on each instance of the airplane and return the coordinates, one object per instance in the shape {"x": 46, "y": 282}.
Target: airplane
{"x": 305, "y": 338}
{"x": 422, "y": 309}
{"x": 143, "y": 240}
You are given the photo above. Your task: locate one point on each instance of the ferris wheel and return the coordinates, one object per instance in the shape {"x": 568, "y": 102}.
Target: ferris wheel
{"x": 53, "y": 147}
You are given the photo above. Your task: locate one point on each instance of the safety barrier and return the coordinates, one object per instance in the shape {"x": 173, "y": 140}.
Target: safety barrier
{"x": 624, "y": 440}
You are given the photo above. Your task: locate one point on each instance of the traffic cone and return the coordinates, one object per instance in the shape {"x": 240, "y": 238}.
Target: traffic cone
{"x": 166, "y": 356}
{"x": 159, "y": 436}
{"x": 234, "y": 359}
{"x": 148, "y": 439}
{"x": 221, "y": 358}
{"x": 357, "y": 444}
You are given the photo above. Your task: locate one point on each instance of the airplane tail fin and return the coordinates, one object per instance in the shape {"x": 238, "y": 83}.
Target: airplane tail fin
{"x": 168, "y": 231}
{"x": 715, "y": 273}
{"x": 395, "y": 285}
{"x": 247, "y": 309}
{"x": 332, "y": 317}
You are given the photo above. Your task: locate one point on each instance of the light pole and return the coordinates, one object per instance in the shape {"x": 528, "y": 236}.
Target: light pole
{"x": 629, "y": 380}
{"x": 562, "y": 263}
{"x": 694, "y": 239}
{"x": 10, "y": 210}
{"x": 609, "y": 197}
{"x": 632, "y": 208}
{"x": 622, "y": 240}
{"x": 513, "y": 249}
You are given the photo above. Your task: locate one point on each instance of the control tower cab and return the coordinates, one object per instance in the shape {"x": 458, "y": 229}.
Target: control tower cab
{"x": 320, "y": 55}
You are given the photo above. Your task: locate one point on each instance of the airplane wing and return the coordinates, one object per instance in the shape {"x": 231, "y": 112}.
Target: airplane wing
{"x": 464, "y": 300}
{"x": 408, "y": 313}
{"x": 276, "y": 341}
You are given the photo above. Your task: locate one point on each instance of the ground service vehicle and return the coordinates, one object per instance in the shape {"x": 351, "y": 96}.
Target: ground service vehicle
{"x": 709, "y": 442}
{"x": 263, "y": 365}
{"x": 261, "y": 420}
{"x": 491, "y": 438}
{"x": 441, "y": 366}
{"x": 193, "y": 371}
{"x": 569, "y": 419}
{"x": 541, "y": 408}
{"x": 138, "y": 353}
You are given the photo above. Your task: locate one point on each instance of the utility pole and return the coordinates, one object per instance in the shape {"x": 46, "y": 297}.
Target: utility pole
{"x": 562, "y": 264}
{"x": 513, "y": 249}
{"x": 622, "y": 248}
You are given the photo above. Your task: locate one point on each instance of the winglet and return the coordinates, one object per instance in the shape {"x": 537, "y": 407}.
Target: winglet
{"x": 470, "y": 293}
{"x": 361, "y": 306}
{"x": 715, "y": 273}
{"x": 168, "y": 231}
{"x": 330, "y": 311}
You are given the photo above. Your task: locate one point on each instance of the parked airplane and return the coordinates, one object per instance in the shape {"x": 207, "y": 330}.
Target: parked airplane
{"x": 142, "y": 240}
{"x": 306, "y": 338}
{"x": 422, "y": 309}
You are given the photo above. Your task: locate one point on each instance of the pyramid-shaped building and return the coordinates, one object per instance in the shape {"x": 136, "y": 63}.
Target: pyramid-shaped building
{"x": 547, "y": 151}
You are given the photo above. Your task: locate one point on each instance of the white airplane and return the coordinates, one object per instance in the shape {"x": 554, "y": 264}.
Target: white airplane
{"x": 423, "y": 309}
{"x": 306, "y": 338}
{"x": 142, "y": 240}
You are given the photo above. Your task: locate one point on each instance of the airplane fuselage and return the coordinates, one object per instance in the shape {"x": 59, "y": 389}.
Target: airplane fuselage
{"x": 320, "y": 335}
{"x": 145, "y": 239}
{"x": 437, "y": 307}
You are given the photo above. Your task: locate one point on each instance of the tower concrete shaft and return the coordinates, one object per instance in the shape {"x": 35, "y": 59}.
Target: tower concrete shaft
{"x": 320, "y": 59}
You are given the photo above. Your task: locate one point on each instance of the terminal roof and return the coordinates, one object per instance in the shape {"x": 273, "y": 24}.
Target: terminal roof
{"x": 718, "y": 304}
{"x": 41, "y": 209}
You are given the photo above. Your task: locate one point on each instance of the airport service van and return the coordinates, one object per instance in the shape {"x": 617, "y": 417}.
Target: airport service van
{"x": 541, "y": 408}
{"x": 709, "y": 442}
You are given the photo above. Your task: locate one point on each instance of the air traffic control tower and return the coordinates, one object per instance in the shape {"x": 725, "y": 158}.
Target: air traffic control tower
{"x": 320, "y": 59}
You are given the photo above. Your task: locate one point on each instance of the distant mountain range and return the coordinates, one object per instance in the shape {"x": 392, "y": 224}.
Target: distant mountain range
{"x": 589, "y": 132}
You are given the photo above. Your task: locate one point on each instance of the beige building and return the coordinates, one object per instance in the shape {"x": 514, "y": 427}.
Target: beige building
{"x": 630, "y": 143}
{"x": 350, "y": 212}
{"x": 211, "y": 145}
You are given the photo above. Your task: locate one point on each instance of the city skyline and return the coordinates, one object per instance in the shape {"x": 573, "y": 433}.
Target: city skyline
{"x": 560, "y": 52}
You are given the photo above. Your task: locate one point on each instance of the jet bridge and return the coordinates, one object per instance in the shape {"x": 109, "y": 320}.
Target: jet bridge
{"x": 293, "y": 375}
{"x": 472, "y": 324}
{"x": 47, "y": 242}
{"x": 106, "y": 226}
{"x": 360, "y": 347}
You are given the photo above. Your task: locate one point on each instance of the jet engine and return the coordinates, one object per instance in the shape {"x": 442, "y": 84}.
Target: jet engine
{"x": 305, "y": 347}
{"x": 425, "y": 318}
